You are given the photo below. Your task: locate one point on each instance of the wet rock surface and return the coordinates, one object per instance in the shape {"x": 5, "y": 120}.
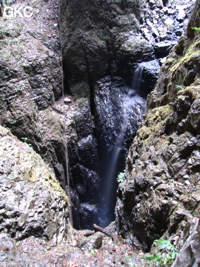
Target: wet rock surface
{"x": 34, "y": 205}
{"x": 103, "y": 47}
{"x": 112, "y": 100}
{"x": 119, "y": 110}
{"x": 160, "y": 197}
{"x": 112, "y": 37}
{"x": 83, "y": 164}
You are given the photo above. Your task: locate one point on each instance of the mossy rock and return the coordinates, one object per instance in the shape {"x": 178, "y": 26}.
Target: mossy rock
{"x": 32, "y": 201}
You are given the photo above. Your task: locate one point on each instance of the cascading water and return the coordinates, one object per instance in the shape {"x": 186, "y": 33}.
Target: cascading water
{"x": 101, "y": 156}
{"x": 121, "y": 111}
{"x": 114, "y": 166}
{"x": 136, "y": 81}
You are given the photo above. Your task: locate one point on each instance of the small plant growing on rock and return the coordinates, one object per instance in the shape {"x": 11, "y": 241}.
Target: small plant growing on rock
{"x": 180, "y": 87}
{"x": 20, "y": 88}
{"x": 105, "y": 37}
{"x": 13, "y": 121}
{"x": 20, "y": 26}
{"x": 121, "y": 177}
{"x": 164, "y": 254}
{"x": 27, "y": 140}
{"x": 93, "y": 251}
{"x": 196, "y": 29}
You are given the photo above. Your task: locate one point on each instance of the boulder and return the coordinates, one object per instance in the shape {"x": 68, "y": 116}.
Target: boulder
{"x": 32, "y": 203}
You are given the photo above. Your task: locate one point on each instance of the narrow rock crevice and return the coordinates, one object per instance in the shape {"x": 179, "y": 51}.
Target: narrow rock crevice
{"x": 102, "y": 51}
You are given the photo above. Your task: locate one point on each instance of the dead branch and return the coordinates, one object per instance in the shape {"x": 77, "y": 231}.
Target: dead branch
{"x": 98, "y": 228}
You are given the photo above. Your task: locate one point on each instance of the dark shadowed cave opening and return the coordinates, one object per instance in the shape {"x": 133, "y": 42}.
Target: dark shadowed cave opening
{"x": 117, "y": 110}
{"x": 97, "y": 69}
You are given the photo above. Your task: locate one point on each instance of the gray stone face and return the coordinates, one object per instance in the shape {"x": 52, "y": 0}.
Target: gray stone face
{"x": 31, "y": 199}
{"x": 190, "y": 252}
{"x": 31, "y": 102}
{"x": 98, "y": 38}
{"x": 112, "y": 37}
{"x": 119, "y": 110}
{"x": 83, "y": 164}
{"x": 31, "y": 79}
{"x": 160, "y": 196}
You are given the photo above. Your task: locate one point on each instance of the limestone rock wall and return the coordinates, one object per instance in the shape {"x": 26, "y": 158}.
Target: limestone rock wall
{"x": 31, "y": 102}
{"x": 102, "y": 38}
{"x": 160, "y": 196}
{"x": 32, "y": 203}
{"x": 105, "y": 41}
{"x": 31, "y": 85}
{"x": 31, "y": 78}
{"x": 98, "y": 38}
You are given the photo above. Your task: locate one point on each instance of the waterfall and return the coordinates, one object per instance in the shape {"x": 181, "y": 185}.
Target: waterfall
{"x": 130, "y": 106}
{"x": 108, "y": 195}
{"x": 136, "y": 81}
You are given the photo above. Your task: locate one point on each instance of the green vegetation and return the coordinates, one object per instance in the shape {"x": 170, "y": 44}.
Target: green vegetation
{"x": 93, "y": 251}
{"x": 14, "y": 41}
{"x": 13, "y": 121}
{"x": 129, "y": 260}
{"x": 4, "y": 125}
{"x": 7, "y": 54}
{"x": 105, "y": 37}
{"x": 20, "y": 26}
{"x": 180, "y": 87}
{"x": 121, "y": 177}
{"x": 20, "y": 88}
{"x": 27, "y": 140}
{"x": 165, "y": 254}
{"x": 196, "y": 29}
{"x": 9, "y": 2}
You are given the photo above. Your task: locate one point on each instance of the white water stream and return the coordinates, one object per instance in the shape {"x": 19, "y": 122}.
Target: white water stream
{"x": 131, "y": 102}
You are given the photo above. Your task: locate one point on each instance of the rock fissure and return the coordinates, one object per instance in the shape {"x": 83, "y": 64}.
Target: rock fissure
{"x": 105, "y": 38}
